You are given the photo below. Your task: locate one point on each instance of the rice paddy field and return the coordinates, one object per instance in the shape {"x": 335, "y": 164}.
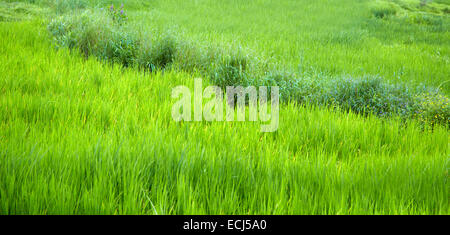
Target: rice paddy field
{"x": 85, "y": 107}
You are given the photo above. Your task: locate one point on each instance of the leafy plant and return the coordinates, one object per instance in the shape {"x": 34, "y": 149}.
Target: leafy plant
{"x": 433, "y": 109}
{"x": 101, "y": 33}
{"x": 121, "y": 48}
{"x": 383, "y": 11}
{"x": 230, "y": 69}
{"x": 118, "y": 14}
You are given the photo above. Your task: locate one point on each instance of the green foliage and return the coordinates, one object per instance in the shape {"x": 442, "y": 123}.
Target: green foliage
{"x": 86, "y": 31}
{"x": 428, "y": 12}
{"x": 335, "y": 38}
{"x": 16, "y": 11}
{"x": 97, "y": 33}
{"x": 426, "y": 19}
{"x": 370, "y": 95}
{"x": 230, "y": 69}
{"x": 163, "y": 52}
{"x": 118, "y": 15}
{"x": 433, "y": 109}
{"x": 383, "y": 11}
{"x": 80, "y": 137}
{"x": 120, "y": 48}
{"x": 144, "y": 56}
{"x": 158, "y": 53}
{"x": 367, "y": 95}
{"x": 301, "y": 90}
{"x": 191, "y": 57}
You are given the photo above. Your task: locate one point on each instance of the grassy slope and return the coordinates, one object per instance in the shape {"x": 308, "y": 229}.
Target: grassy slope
{"x": 325, "y": 37}
{"x": 82, "y": 137}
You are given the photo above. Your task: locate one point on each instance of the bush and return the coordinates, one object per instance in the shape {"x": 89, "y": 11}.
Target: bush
{"x": 144, "y": 58}
{"x": 382, "y": 10}
{"x": 426, "y": 19}
{"x": 292, "y": 88}
{"x": 369, "y": 95}
{"x": 164, "y": 49}
{"x": 121, "y": 48}
{"x": 432, "y": 108}
{"x": 84, "y": 31}
{"x": 95, "y": 32}
{"x": 157, "y": 54}
{"x": 230, "y": 69}
{"x": 102, "y": 34}
{"x": 189, "y": 57}
{"x": 118, "y": 15}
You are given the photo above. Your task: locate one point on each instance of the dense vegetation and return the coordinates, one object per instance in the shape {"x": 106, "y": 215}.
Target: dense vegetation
{"x": 103, "y": 33}
{"x": 85, "y": 124}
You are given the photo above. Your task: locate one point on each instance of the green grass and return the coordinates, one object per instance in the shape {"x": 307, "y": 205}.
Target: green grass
{"x": 80, "y": 136}
{"x": 106, "y": 35}
{"x": 16, "y": 11}
{"x": 317, "y": 37}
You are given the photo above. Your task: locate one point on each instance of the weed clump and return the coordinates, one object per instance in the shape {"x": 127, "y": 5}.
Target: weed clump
{"x": 291, "y": 87}
{"x": 144, "y": 58}
{"x": 191, "y": 57}
{"x": 97, "y": 33}
{"x": 420, "y": 12}
{"x": 383, "y": 11}
{"x": 121, "y": 48}
{"x": 230, "y": 69}
{"x": 102, "y": 33}
{"x": 164, "y": 50}
{"x": 157, "y": 54}
{"x": 432, "y": 108}
{"x": 118, "y": 15}
{"x": 85, "y": 31}
{"x": 369, "y": 95}
{"x": 426, "y": 19}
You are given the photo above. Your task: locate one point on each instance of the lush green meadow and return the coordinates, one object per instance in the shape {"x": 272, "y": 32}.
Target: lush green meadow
{"x": 323, "y": 38}
{"x": 81, "y": 135}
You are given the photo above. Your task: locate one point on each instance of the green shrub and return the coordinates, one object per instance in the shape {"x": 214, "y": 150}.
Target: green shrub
{"x": 117, "y": 14}
{"x": 144, "y": 57}
{"x": 432, "y": 109}
{"x": 164, "y": 49}
{"x": 383, "y": 12}
{"x": 426, "y": 19}
{"x": 120, "y": 48}
{"x": 157, "y": 54}
{"x": 190, "y": 57}
{"x": 230, "y": 69}
{"x": 95, "y": 32}
{"x": 292, "y": 88}
{"x": 369, "y": 95}
{"x": 84, "y": 31}
{"x": 102, "y": 34}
